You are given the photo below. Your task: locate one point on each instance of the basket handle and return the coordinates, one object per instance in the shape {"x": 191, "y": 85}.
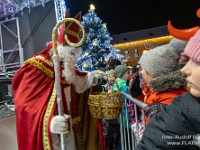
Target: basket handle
{"x": 108, "y": 75}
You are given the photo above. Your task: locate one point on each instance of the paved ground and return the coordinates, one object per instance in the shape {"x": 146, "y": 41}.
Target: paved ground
{"x": 8, "y": 140}
{"x": 6, "y": 113}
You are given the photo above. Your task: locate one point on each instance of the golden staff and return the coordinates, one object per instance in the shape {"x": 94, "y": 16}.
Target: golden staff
{"x": 56, "y": 62}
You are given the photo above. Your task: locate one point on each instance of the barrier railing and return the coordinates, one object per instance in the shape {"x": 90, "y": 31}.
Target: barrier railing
{"x": 130, "y": 135}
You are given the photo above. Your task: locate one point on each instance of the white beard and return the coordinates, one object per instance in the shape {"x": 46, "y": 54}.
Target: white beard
{"x": 69, "y": 61}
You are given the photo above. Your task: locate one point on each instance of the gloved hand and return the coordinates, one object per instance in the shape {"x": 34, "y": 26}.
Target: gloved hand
{"x": 59, "y": 124}
{"x": 97, "y": 74}
{"x": 153, "y": 109}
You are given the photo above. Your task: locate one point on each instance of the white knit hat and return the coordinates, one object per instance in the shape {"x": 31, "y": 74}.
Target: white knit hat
{"x": 177, "y": 45}
{"x": 160, "y": 60}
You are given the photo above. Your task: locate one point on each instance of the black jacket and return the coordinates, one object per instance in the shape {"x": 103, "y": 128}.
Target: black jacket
{"x": 174, "y": 127}
{"x": 135, "y": 89}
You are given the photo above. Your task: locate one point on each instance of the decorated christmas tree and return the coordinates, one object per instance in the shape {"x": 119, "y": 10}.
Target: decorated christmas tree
{"x": 97, "y": 49}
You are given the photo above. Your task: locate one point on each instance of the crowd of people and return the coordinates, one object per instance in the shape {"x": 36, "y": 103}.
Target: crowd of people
{"x": 163, "y": 79}
{"x": 174, "y": 126}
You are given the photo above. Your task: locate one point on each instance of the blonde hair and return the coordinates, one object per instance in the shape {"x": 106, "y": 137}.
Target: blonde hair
{"x": 187, "y": 87}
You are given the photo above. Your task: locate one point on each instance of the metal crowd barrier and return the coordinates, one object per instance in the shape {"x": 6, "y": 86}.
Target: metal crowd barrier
{"x": 127, "y": 137}
{"x": 6, "y": 75}
{"x": 6, "y": 78}
{"x": 6, "y": 93}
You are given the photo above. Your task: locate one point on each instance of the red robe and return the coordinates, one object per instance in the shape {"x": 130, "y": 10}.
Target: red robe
{"x": 35, "y": 101}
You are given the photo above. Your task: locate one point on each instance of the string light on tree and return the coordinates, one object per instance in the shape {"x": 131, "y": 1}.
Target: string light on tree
{"x": 95, "y": 42}
{"x": 106, "y": 59}
{"x": 86, "y": 53}
{"x": 92, "y": 7}
{"x": 105, "y": 25}
{"x": 85, "y": 65}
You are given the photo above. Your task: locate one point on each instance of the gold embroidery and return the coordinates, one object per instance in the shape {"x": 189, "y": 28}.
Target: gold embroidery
{"x": 46, "y": 142}
{"x": 69, "y": 133}
{"x": 41, "y": 67}
{"x": 49, "y": 62}
{"x": 76, "y": 120}
{"x": 64, "y": 82}
{"x": 70, "y": 32}
{"x": 67, "y": 30}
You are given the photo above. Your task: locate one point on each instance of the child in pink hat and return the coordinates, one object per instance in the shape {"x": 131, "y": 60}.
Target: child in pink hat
{"x": 177, "y": 126}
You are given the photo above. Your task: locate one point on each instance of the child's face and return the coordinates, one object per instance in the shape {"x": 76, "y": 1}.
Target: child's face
{"x": 146, "y": 76}
{"x": 111, "y": 80}
{"x": 126, "y": 75}
{"x": 192, "y": 71}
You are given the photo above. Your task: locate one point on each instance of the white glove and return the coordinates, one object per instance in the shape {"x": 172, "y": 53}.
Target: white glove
{"x": 97, "y": 73}
{"x": 59, "y": 124}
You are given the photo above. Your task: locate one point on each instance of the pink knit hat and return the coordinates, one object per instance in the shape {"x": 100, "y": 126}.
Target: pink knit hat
{"x": 192, "y": 49}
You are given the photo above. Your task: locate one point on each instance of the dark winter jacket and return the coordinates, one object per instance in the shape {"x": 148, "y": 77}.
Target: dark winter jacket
{"x": 174, "y": 127}
{"x": 136, "y": 90}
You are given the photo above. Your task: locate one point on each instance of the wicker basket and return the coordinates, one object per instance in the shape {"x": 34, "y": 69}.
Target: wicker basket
{"x": 105, "y": 105}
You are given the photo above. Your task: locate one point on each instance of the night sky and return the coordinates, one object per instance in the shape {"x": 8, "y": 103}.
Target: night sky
{"x": 131, "y": 15}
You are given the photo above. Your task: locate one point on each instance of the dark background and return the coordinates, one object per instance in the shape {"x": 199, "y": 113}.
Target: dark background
{"x": 133, "y": 15}
{"x": 120, "y": 15}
